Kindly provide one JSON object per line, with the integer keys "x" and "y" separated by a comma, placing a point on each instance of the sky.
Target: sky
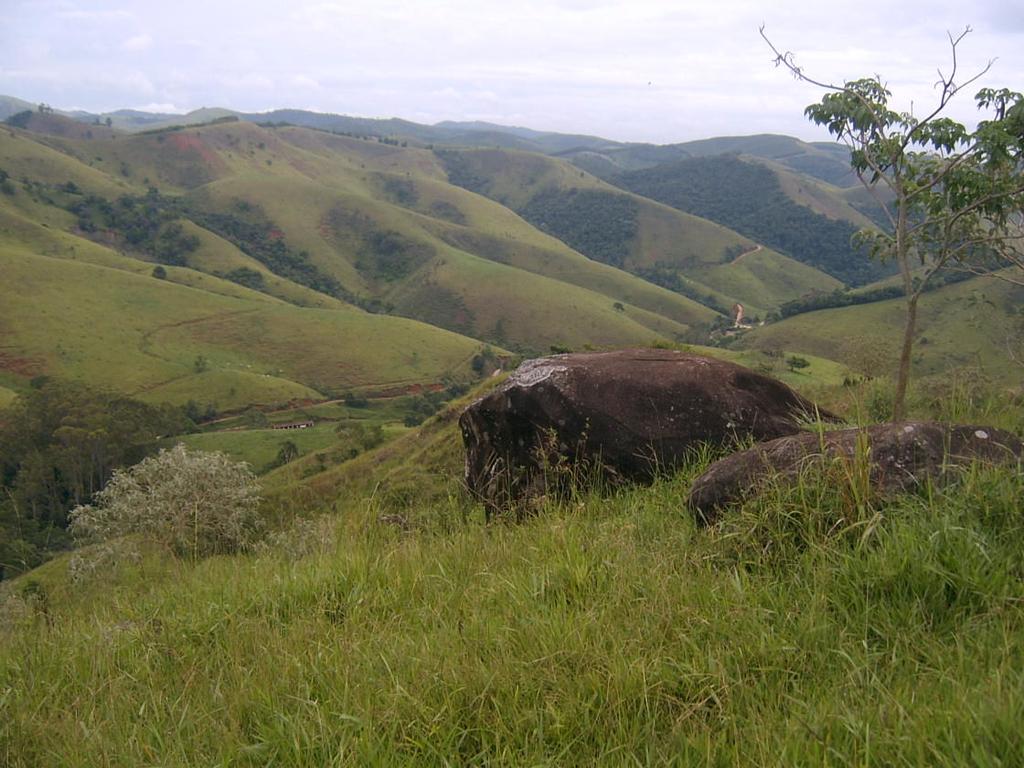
{"x": 642, "y": 70}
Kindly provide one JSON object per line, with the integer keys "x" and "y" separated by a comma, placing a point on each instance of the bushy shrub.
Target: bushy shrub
{"x": 194, "y": 503}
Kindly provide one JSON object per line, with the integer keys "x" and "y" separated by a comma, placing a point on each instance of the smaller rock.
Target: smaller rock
{"x": 901, "y": 456}
{"x": 398, "y": 521}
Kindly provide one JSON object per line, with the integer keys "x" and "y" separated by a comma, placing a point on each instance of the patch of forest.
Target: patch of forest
{"x": 748, "y": 198}
{"x": 248, "y": 228}
{"x": 460, "y": 171}
{"x": 840, "y": 298}
{"x": 600, "y": 225}
{"x": 59, "y": 444}
{"x": 147, "y": 223}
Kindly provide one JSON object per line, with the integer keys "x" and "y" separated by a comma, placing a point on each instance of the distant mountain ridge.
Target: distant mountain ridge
{"x": 600, "y": 156}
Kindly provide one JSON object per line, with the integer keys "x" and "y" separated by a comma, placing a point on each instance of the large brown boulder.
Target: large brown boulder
{"x": 626, "y": 415}
{"x": 899, "y": 456}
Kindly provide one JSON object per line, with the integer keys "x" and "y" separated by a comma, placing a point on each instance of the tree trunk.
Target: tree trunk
{"x": 902, "y": 244}
{"x": 903, "y": 379}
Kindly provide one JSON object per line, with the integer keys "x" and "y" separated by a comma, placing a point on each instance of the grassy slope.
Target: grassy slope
{"x": 958, "y": 325}
{"x": 217, "y": 255}
{"x": 7, "y": 396}
{"x": 259, "y": 447}
{"x": 491, "y": 231}
{"x": 820, "y": 196}
{"x": 298, "y": 186}
{"x": 601, "y": 631}
{"x": 24, "y": 154}
{"x": 666, "y": 236}
{"x": 299, "y": 182}
{"x": 762, "y": 280}
{"x": 826, "y": 161}
{"x": 307, "y": 210}
{"x": 495, "y": 233}
{"x": 141, "y": 335}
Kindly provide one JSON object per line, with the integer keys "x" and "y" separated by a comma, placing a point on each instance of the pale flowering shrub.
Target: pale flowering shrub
{"x": 100, "y": 559}
{"x": 194, "y": 503}
{"x": 15, "y": 611}
{"x": 305, "y": 536}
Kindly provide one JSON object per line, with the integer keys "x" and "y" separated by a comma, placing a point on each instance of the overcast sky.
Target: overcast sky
{"x": 642, "y": 70}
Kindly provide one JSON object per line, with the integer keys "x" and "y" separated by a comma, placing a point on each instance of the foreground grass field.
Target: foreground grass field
{"x": 816, "y": 625}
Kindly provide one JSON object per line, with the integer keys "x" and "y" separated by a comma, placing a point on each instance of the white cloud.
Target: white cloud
{"x": 165, "y": 107}
{"x": 78, "y": 14}
{"x": 572, "y": 65}
{"x": 137, "y": 43}
{"x": 304, "y": 81}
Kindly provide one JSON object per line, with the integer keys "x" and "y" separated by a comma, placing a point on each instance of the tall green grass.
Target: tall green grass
{"x": 809, "y": 628}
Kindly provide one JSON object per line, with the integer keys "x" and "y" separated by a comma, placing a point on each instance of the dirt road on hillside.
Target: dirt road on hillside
{"x": 747, "y": 252}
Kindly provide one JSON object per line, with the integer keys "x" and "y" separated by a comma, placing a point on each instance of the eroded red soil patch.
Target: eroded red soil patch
{"x": 26, "y": 367}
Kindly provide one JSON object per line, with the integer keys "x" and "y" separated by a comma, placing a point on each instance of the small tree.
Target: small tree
{"x": 796, "y": 363}
{"x": 288, "y": 451}
{"x": 953, "y": 198}
{"x": 194, "y": 503}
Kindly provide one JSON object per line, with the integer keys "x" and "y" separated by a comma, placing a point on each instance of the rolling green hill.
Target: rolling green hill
{"x": 971, "y": 323}
{"x": 770, "y": 210}
{"x": 130, "y": 257}
{"x": 136, "y": 334}
{"x": 827, "y": 161}
{"x": 686, "y": 253}
{"x": 515, "y": 248}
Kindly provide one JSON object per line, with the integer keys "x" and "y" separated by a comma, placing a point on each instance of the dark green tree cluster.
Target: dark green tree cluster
{"x": 400, "y": 190}
{"x": 391, "y": 256}
{"x": 20, "y": 119}
{"x": 816, "y": 301}
{"x": 422, "y": 407}
{"x": 59, "y": 444}
{"x": 669, "y": 277}
{"x": 840, "y": 298}
{"x": 5, "y": 183}
{"x": 359, "y": 436}
{"x": 250, "y": 278}
{"x": 147, "y": 223}
{"x": 748, "y": 198}
{"x": 600, "y": 225}
{"x": 460, "y": 171}
{"x": 255, "y": 235}
{"x": 484, "y": 361}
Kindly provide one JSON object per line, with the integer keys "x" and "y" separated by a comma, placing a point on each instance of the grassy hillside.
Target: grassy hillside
{"x": 260, "y": 447}
{"x": 770, "y": 210}
{"x": 685, "y": 253}
{"x": 318, "y": 221}
{"x": 833, "y": 202}
{"x": 370, "y": 216}
{"x": 7, "y": 396}
{"x": 964, "y": 324}
{"x": 827, "y": 161}
{"x": 143, "y": 336}
{"x": 813, "y": 626}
